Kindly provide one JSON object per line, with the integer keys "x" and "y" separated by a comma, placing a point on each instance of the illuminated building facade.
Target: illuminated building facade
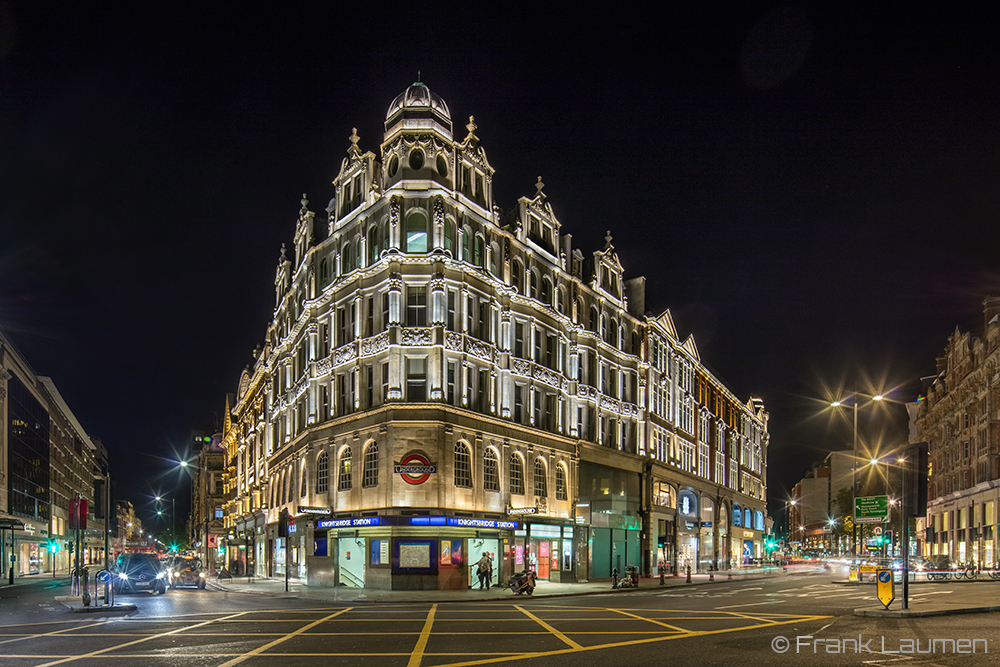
{"x": 442, "y": 378}
{"x": 960, "y": 419}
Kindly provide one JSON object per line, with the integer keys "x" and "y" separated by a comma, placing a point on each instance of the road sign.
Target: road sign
{"x": 877, "y": 530}
{"x": 103, "y": 577}
{"x": 886, "y": 586}
{"x": 871, "y": 509}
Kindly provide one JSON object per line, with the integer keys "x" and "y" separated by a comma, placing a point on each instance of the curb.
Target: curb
{"x": 906, "y": 613}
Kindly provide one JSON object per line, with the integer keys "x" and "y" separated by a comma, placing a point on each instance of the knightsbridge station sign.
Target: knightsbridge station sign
{"x": 414, "y": 468}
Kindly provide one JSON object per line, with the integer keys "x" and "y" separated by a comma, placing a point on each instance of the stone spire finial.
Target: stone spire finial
{"x": 538, "y": 186}
{"x": 354, "y": 150}
{"x": 305, "y": 205}
{"x": 283, "y": 258}
{"x": 607, "y": 240}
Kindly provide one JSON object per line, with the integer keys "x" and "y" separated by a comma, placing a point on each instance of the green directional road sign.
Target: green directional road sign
{"x": 871, "y": 509}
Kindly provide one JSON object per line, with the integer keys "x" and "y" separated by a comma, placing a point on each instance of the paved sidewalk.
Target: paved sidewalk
{"x": 972, "y": 597}
{"x": 296, "y": 589}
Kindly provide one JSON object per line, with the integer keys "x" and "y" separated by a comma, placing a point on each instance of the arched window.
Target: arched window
{"x": 491, "y": 470}
{"x": 386, "y": 236}
{"x": 746, "y": 518}
{"x": 449, "y": 242}
{"x": 534, "y": 284}
{"x": 758, "y": 520}
{"x": 494, "y": 253}
{"x": 303, "y": 490}
{"x": 345, "y": 259}
{"x": 593, "y": 319}
{"x": 344, "y": 482}
{"x": 416, "y": 232}
{"x": 541, "y": 487}
{"x": 478, "y": 257}
{"x": 635, "y": 342}
{"x": 612, "y": 333}
{"x": 546, "y": 291}
{"x": 560, "y": 301}
{"x": 516, "y": 475}
{"x": 463, "y": 466}
{"x": 737, "y": 515}
{"x": 360, "y": 253}
{"x": 561, "y": 482}
{"x": 515, "y": 275}
{"x": 373, "y": 248}
{"x": 324, "y": 272}
{"x": 369, "y": 477}
{"x": 323, "y": 473}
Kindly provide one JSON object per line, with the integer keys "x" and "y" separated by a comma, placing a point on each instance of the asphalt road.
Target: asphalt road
{"x": 738, "y": 623}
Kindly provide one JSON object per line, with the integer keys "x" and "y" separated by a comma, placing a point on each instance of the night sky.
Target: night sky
{"x": 812, "y": 193}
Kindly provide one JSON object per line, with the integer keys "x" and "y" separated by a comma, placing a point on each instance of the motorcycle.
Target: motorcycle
{"x": 522, "y": 582}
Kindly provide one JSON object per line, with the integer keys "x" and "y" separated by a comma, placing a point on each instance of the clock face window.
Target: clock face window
{"x": 416, "y": 159}
{"x": 442, "y": 166}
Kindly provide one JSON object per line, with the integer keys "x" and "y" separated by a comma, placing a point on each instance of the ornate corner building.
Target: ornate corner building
{"x": 958, "y": 418}
{"x": 443, "y": 378}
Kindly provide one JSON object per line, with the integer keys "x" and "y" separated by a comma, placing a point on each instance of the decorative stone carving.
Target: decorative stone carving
{"x": 345, "y": 353}
{"x": 375, "y": 344}
{"x": 479, "y": 349}
{"x": 438, "y": 212}
{"x": 394, "y": 211}
{"x": 415, "y": 336}
{"x": 548, "y": 376}
{"x": 453, "y": 341}
{"x": 323, "y": 367}
{"x": 520, "y": 367}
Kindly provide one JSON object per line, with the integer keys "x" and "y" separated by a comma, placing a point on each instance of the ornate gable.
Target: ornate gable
{"x": 691, "y": 348}
{"x": 537, "y": 225}
{"x": 608, "y": 272}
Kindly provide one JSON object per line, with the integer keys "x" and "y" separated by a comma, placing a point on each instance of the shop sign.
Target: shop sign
{"x": 522, "y": 510}
{"x": 414, "y": 468}
{"x": 313, "y": 510}
{"x": 706, "y": 524}
{"x": 687, "y": 503}
{"x": 483, "y": 523}
{"x": 349, "y": 523}
{"x": 747, "y": 533}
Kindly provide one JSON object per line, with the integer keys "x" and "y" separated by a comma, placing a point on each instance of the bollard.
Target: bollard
{"x": 663, "y": 571}
{"x": 711, "y": 574}
{"x": 688, "y": 575}
{"x": 614, "y": 578}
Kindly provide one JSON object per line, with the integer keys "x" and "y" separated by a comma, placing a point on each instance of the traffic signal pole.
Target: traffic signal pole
{"x": 904, "y": 510}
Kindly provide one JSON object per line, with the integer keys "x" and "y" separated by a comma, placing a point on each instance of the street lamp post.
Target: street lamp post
{"x": 203, "y": 474}
{"x": 854, "y": 462}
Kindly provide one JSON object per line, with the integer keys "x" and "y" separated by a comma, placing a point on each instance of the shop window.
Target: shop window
{"x": 370, "y": 476}
{"x": 516, "y": 475}
{"x": 416, "y": 233}
{"x": 344, "y": 483}
{"x": 463, "y": 466}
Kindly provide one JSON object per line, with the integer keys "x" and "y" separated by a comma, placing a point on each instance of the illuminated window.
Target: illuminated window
{"x": 416, "y": 233}
{"x": 560, "y": 483}
{"x": 344, "y": 483}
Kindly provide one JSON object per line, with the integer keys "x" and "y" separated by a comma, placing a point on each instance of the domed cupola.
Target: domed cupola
{"x": 417, "y": 109}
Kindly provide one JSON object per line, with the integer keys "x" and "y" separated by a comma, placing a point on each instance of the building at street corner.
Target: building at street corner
{"x": 443, "y": 379}
{"x": 958, "y": 417}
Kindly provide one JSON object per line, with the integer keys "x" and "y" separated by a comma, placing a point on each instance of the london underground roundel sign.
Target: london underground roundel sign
{"x": 414, "y": 468}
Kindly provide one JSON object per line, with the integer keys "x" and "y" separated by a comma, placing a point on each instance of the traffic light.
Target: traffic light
{"x": 283, "y": 523}
{"x": 53, "y": 547}
{"x": 78, "y": 514}
{"x": 916, "y": 471}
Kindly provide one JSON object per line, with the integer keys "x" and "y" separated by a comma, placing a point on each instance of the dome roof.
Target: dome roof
{"x": 416, "y": 97}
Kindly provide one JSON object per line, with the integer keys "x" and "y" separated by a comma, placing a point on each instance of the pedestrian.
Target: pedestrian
{"x": 484, "y": 567}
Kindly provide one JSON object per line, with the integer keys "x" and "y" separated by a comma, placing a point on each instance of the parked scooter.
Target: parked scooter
{"x": 522, "y": 582}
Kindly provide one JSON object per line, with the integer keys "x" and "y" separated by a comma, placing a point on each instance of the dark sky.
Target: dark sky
{"x": 812, "y": 192}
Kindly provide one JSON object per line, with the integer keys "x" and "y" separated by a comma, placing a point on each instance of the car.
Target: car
{"x": 186, "y": 571}
{"x": 139, "y": 572}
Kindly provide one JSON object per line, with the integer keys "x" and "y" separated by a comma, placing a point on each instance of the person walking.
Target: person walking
{"x": 485, "y": 568}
